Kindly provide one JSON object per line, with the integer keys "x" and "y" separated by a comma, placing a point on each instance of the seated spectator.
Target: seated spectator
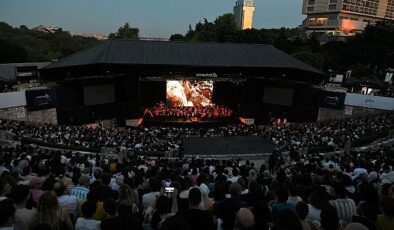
{"x": 262, "y": 215}
{"x": 7, "y": 214}
{"x": 25, "y": 217}
{"x": 82, "y": 189}
{"x": 87, "y": 222}
{"x": 317, "y": 202}
{"x": 244, "y": 220}
{"x": 194, "y": 216}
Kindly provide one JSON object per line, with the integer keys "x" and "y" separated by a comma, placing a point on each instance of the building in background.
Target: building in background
{"x": 243, "y": 12}
{"x": 344, "y": 17}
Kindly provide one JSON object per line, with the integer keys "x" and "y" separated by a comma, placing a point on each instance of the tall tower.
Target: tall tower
{"x": 243, "y": 12}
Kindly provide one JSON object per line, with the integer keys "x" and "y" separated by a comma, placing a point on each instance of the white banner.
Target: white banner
{"x": 368, "y": 101}
{"x": 20, "y": 112}
{"x": 348, "y": 110}
{"x": 12, "y": 99}
{"x": 134, "y": 122}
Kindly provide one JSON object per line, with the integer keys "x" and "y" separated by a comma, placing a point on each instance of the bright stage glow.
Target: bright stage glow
{"x": 189, "y": 93}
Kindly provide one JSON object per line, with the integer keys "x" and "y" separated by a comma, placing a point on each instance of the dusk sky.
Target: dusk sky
{"x": 154, "y": 18}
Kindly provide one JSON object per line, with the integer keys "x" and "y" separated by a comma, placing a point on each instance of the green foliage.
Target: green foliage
{"x": 24, "y": 45}
{"x": 366, "y": 54}
{"x": 125, "y": 32}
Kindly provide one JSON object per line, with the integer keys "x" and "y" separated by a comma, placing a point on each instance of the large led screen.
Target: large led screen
{"x": 189, "y": 93}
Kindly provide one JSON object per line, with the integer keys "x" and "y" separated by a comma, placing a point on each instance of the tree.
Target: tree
{"x": 177, "y": 37}
{"x": 125, "y": 32}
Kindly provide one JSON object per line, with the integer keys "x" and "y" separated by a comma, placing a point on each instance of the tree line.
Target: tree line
{"x": 367, "y": 53}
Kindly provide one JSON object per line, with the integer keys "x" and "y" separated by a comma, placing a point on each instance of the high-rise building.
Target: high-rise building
{"x": 344, "y": 17}
{"x": 243, "y": 12}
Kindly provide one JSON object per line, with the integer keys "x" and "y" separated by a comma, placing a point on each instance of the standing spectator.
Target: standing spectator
{"x": 25, "y": 217}
{"x": 105, "y": 188}
{"x": 5, "y": 187}
{"x": 69, "y": 203}
{"x": 302, "y": 211}
{"x": 36, "y": 184}
{"x": 87, "y": 222}
{"x": 346, "y": 208}
{"x": 128, "y": 199}
{"x": 50, "y": 213}
{"x": 244, "y": 220}
{"x": 154, "y": 186}
{"x": 386, "y": 220}
{"x": 7, "y": 214}
{"x": 329, "y": 218}
{"x": 197, "y": 218}
{"x": 281, "y": 201}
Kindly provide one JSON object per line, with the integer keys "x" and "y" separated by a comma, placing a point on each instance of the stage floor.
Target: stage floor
{"x": 222, "y": 146}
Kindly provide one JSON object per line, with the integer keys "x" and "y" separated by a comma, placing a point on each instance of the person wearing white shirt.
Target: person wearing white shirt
{"x": 70, "y": 203}
{"x": 86, "y": 222}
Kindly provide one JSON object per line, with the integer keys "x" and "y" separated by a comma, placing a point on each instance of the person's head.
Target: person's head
{"x": 110, "y": 206}
{"x": 84, "y": 181}
{"x": 194, "y": 197}
{"x": 7, "y": 212}
{"x": 126, "y": 195}
{"x": 244, "y": 219}
{"x": 20, "y": 193}
{"x": 262, "y": 211}
{"x": 88, "y": 209}
{"x": 5, "y": 186}
{"x": 235, "y": 190}
{"x": 293, "y": 190}
{"x": 163, "y": 205}
{"x": 175, "y": 223}
{"x": 94, "y": 193}
{"x": 282, "y": 195}
{"x": 97, "y": 173}
{"x": 59, "y": 188}
{"x": 318, "y": 198}
{"x": 388, "y": 206}
{"x": 340, "y": 190}
{"x": 154, "y": 184}
{"x": 287, "y": 220}
{"x": 329, "y": 217}
{"x": 368, "y": 210}
{"x": 302, "y": 210}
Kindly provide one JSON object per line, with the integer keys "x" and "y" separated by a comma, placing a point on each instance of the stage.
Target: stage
{"x": 228, "y": 147}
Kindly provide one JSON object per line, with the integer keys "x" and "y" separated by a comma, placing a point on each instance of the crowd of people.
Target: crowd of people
{"x": 48, "y": 189}
{"x": 163, "y": 112}
{"x": 334, "y": 134}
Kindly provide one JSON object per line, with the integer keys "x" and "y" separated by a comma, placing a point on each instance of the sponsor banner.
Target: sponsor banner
{"x": 40, "y": 99}
{"x": 332, "y": 100}
{"x": 134, "y": 122}
{"x": 20, "y": 112}
{"x": 348, "y": 110}
{"x": 12, "y": 99}
{"x": 247, "y": 121}
{"x": 368, "y": 101}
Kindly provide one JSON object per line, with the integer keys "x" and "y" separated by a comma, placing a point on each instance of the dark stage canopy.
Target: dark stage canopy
{"x": 184, "y": 54}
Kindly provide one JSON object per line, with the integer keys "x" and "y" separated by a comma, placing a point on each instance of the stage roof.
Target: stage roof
{"x": 187, "y": 54}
